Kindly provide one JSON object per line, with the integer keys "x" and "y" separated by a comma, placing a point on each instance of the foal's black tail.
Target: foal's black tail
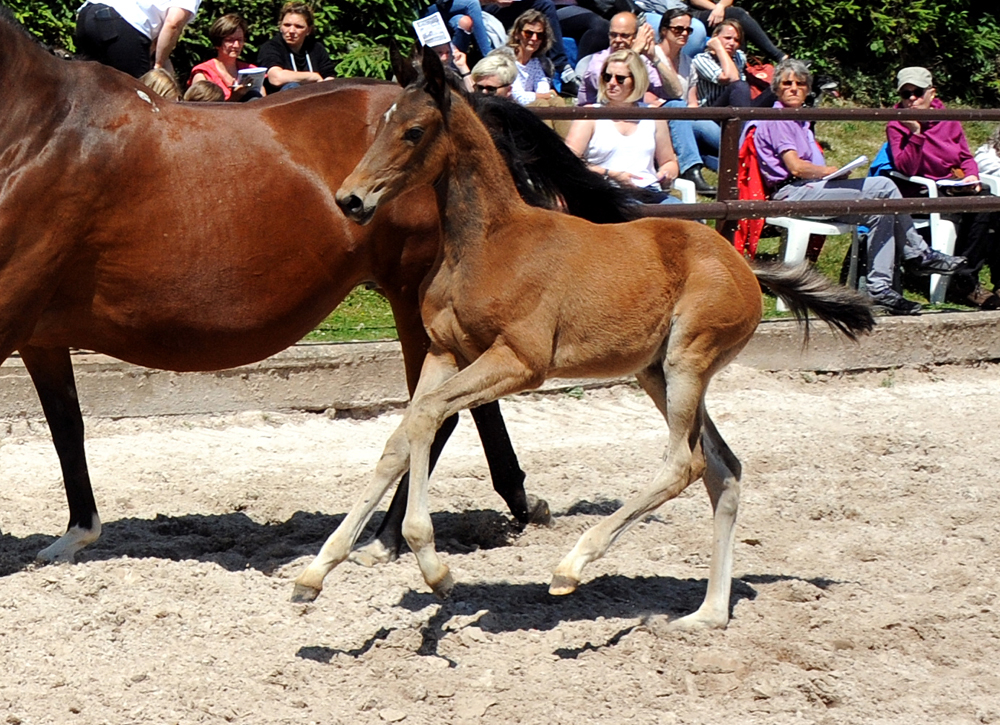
{"x": 805, "y": 290}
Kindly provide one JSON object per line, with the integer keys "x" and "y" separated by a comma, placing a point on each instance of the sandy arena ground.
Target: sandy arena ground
{"x": 866, "y": 568}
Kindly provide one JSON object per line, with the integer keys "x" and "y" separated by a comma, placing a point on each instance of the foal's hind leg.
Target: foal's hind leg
{"x": 722, "y": 479}
{"x": 683, "y": 464}
{"x": 52, "y": 373}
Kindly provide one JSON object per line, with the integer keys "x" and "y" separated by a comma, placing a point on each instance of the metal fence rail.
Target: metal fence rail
{"x": 727, "y": 209}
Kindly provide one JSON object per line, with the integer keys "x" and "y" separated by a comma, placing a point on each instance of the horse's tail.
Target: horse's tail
{"x": 805, "y": 290}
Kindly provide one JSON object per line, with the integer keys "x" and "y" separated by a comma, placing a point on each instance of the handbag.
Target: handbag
{"x": 759, "y": 75}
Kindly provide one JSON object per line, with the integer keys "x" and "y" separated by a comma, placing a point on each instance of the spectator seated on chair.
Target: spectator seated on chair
{"x": 624, "y": 33}
{"x": 792, "y": 168}
{"x": 508, "y": 12}
{"x": 228, "y": 35}
{"x": 988, "y": 155}
{"x": 162, "y": 83}
{"x": 706, "y": 15}
{"x": 720, "y": 72}
{"x": 294, "y": 57}
{"x": 631, "y": 153}
{"x": 938, "y": 150}
{"x": 529, "y": 40}
{"x": 204, "y": 92}
{"x": 696, "y": 142}
{"x": 494, "y": 75}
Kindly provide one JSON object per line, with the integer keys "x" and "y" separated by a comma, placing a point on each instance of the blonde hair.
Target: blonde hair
{"x": 204, "y": 92}
{"x": 500, "y": 65}
{"x": 640, "y": 78}
{"x": 162, "y": 83}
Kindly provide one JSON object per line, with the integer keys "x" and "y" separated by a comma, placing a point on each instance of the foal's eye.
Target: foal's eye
{"x": 412, "y": 135}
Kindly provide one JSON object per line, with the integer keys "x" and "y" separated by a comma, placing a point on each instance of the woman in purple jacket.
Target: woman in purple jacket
{"x": 938, "y": 150}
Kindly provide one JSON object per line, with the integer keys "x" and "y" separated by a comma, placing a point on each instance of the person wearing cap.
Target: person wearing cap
{"x": 793, "y": 168}
{"x": 939, "y": 150}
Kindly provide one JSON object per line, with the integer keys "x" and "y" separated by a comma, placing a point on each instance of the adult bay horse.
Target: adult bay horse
{"x": 186, "y": 237}
{"x": 520, "y": 294}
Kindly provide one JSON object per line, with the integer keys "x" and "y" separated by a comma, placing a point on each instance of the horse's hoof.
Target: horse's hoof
{"x": 443, "y": 586}
{"x": 562, "y": 585}
{"x": 538, "y": 511}
{"x": 697, "y": 622}
{"x": 303, "y": 593}
{"x": 373, "y": 554}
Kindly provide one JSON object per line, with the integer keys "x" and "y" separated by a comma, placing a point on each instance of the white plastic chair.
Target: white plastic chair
{"x": 943, "y": 233}
{"x": 687, "y": 191}
{"x": 799, "y": 231}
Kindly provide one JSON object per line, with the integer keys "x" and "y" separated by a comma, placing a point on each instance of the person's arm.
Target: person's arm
{"x": 802, "y": 169}
{"x": 578, "y": 139}
{"x": 692, "y": 99}
{"x": 278, "y": 76}
{"x": 670, "y": 82}
{"x": 173, "y": 24}
{"x": 906, "y": 147}
{"x": 198, "y": 77}
{"x": 666, "y": 160}
{"x": 728, "y": 72}
{"x": 459, "y": 59}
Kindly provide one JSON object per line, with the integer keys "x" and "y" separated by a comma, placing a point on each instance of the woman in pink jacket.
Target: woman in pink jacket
{"x": 938, "y": 150}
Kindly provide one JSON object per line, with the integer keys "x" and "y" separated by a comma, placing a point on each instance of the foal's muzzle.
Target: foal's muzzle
{"x": 354, "y": 208}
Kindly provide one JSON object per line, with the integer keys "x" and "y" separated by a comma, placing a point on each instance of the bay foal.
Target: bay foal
{"x": 518, "y": 295}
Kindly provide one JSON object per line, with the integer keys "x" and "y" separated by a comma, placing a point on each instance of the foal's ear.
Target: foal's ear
{"x": 434, "y": 81}
{"x": 402, "y": 67}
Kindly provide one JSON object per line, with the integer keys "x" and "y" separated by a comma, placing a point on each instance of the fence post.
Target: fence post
{"x": 729, "y": 162}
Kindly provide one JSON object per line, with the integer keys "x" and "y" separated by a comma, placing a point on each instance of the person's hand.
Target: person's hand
{"x": 645, "y": 41}
{"x": 716, "y": 16}
{"x": 912, "y": 126}
{"x": 623, "y": 178}
{"x": 715, "y": 45}
{"x": 458, "y": 58}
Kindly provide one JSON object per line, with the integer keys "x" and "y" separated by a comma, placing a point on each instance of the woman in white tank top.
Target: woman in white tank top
{"x": 632, "y": 153}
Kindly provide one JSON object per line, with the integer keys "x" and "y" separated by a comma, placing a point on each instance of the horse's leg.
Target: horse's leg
{"x": 443, "y": 392}
{"x": 722, "y": 479}
{"x": 682, "y": 387}
{"x": 508, "y": 478}
{"x": 388, "y": 540}
{"x": 391, "y": 467}
{"x": 52, "y": 373}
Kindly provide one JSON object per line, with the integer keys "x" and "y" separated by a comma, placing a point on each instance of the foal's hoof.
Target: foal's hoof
{"x": 303, "y": 593}
{"x": 538, "y": 511}
{"x": 562, "y": 585}
{"x": 443, "y": 586}
{"x": 373, "y": 553}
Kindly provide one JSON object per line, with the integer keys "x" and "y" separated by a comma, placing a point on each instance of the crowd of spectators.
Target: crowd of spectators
{"x": 617, "y": 53}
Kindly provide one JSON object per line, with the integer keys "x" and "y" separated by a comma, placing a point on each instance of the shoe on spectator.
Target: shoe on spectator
{"x": 570, "y": 81}
{"x": 894, "y": 303}
{"x": 979, "y": 297}
{"x": 934, "y": 262}
{"x": 700, "y": 185}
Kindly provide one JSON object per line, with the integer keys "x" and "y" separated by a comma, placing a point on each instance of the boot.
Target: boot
{"x": 700, "y": 185}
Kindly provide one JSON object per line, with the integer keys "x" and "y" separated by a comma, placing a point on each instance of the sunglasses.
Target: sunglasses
{"x": 906, "y": 95}
{"x": 489, "y": 90}
{"x": 680, "y": 29}
{"x": 796, "y": 84}
{"x": 619, "y": 79}
{"x": 533, "y": 34}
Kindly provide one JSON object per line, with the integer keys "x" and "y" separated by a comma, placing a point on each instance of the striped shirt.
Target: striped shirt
{"x": 705, "y": 72}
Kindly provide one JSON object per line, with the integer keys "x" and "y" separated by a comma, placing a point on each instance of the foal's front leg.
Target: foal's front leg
{"x": 391, "y": 467}
{"x": 443, "y": 392}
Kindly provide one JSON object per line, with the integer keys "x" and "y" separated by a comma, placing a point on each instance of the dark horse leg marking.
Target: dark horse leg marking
{"x": 52, "y": 373}
{"x": 508, "y": 481}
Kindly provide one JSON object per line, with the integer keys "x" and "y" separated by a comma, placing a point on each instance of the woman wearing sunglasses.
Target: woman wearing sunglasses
{"x": 529, "y": 40}
{"x": 631, "y": 153}
{"x": 939, "y": 150}
{"x": 494, "y": 75}
{"x": 793, "y": 169}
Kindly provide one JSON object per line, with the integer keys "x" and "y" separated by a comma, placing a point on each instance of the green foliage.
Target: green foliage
{"x": 356, "y": 34}
{"x": 863, "y": 44}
